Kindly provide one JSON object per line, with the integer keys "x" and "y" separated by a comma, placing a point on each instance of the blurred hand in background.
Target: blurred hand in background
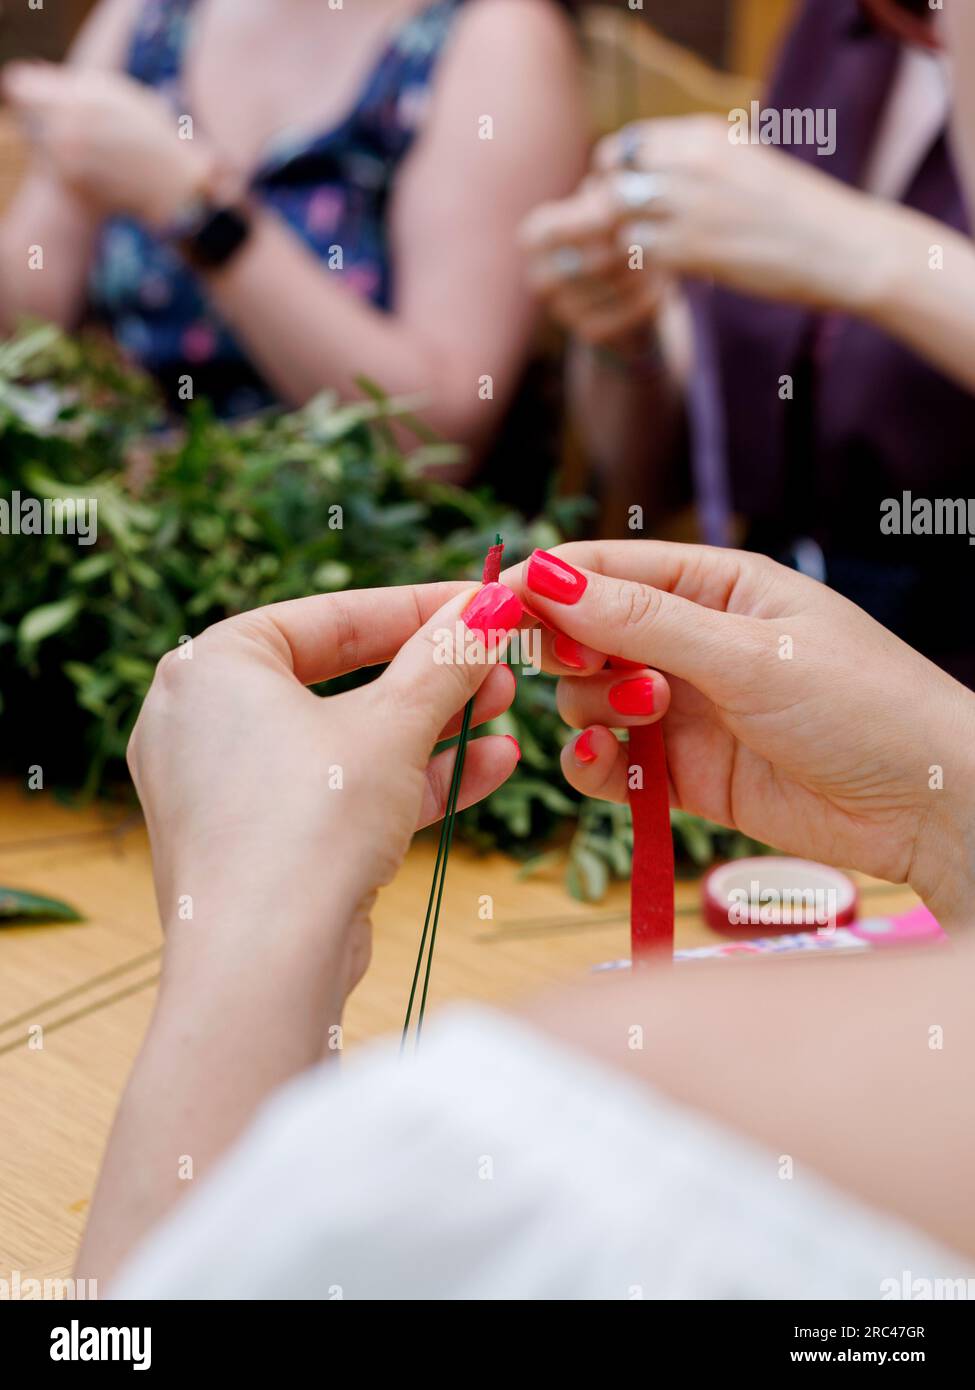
{"x": 109, "y": 138}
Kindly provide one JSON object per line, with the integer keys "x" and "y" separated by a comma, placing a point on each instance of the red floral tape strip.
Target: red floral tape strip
{"x": 492, "y": 565}
{"x": 652, "y": 887}
{"x": 652, "y": 884}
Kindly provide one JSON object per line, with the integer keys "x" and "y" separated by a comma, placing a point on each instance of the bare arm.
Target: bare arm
{"x": 460, "y": 312}
{"x": 834, "y": 1063}
{"x": 920, "y": 288}
{"x": 46, "y": 213}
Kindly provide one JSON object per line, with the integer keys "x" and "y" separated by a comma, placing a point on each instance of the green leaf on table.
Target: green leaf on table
{"x": 17, "y": 906}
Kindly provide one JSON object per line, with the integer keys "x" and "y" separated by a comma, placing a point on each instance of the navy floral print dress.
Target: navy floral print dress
{"x": 331, "y": 188}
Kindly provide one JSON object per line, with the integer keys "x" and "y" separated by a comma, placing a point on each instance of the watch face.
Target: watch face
{"x": 911, "y": 21}
{"x": 225, "y": 230}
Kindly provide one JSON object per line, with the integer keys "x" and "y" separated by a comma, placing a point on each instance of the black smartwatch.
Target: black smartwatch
{"x": 211, "y": 227}
{"x": 215, "y": 236}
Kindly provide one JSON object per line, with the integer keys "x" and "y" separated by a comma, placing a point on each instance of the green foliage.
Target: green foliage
{"x": 17, "y": 906}
{"x": 221, "y": 518}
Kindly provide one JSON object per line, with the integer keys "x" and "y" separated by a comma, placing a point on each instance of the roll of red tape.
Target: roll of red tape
{"x": 777, "y": 894}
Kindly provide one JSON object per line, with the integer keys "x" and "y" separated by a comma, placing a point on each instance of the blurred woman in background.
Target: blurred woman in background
{"x": 831, "y": 331}
{"x": 269, "y": 197}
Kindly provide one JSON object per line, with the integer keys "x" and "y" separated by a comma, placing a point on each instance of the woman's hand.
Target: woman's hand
{"x": 790, "y": 714}
{"x": 274, "y": 816}
{"x": 109, "y": 138}
{"x": 579, "y": 267}
{"x": 675, "y": 197}
{"x": 750, "y": 216}
{"x": 273, "y": 812}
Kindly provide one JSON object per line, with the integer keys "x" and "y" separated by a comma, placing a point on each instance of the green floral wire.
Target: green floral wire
{"x": 439, "y": 878}
{"x": 439, "y": 875}
{"x": 458, "y": 774}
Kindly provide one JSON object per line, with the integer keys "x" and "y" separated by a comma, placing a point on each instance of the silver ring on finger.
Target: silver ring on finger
{"x": 636, "y": 189}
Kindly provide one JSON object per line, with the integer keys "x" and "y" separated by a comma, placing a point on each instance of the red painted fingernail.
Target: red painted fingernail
{"x": 632, "y": 697}
{"x": 622, "y": 663}
{"x": 553, "y": 578}
{"x": 511, "y": 738}
{"x": 584, "y": 751}
{"x": 494, "y": 608}
{"x": 569, "y": 651}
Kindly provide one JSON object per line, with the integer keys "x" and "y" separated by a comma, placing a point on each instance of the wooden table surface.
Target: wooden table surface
{"x": 89, "y": 987}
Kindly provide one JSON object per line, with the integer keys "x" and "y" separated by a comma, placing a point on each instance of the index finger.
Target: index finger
{"x": 584, "y": 216}
{"x": 732, "y": 581}
{"x": 640, "y": 620}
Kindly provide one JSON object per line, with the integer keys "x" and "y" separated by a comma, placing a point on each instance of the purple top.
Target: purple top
{"x": 870, "y": 419}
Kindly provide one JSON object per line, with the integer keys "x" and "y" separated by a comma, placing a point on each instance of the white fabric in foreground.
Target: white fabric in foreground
{"x": 501, "y": 1165}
